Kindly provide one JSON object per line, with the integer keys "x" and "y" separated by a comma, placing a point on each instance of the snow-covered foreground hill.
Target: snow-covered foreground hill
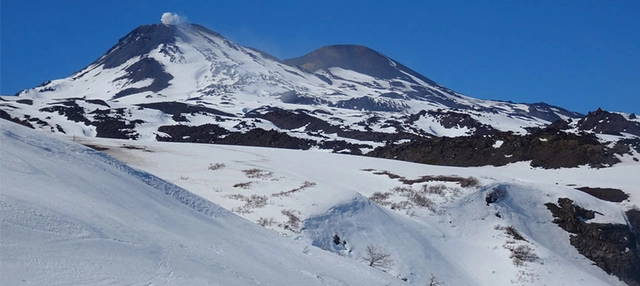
{"x": 433, "y": 221}
{"x": 74, "y": 216}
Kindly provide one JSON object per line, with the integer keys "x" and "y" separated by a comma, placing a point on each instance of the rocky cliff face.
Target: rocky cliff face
{"x": 612, "y": 247}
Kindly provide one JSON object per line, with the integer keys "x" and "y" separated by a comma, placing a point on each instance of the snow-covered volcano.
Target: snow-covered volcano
{"x": 65, "y": 204}
{"x": 160, "y": 80}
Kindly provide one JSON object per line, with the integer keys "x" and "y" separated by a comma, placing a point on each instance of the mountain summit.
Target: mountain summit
{"x": 360, "y": 59}
{"x": 138, "y": 42}
{"x": 173, "y": 81}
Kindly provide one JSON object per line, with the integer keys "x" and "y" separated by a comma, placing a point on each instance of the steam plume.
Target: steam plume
{"x": 169, "y": 18}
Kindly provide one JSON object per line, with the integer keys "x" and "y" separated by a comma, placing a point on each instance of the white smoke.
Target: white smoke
{"x": 169, "y": 18}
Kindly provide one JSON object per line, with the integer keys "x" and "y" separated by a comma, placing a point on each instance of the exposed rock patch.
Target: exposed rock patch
{"x": 543, "y": 147}
{"x": 633, "y": 216}
{"x": 176, "y": 108}
{"x": 549, "y": 113}
{"x": 206, "y": 133}
{"x": 371, "y": 104}
{"x": 146, "y": 68}
{"x": 137, "y": 43}
{"x": 294, "y": 119}
{"x": 211, "y": 133}
{"x": 452, "y": 119}
{"x": 612, "y": 247}
{"x": 607, "y": 194}
{"x": 6, "y": 116}
{"x": 26, "y": 101}
{"x": 70, "y": 109}
{"x": 114, "y": 124}
{"x": 601, "y": 121}
{"x": 265, "y": 138}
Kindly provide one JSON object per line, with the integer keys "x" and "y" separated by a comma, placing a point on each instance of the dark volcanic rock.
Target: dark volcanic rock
{"x": 612, "y": 247}
{"x": 26, "y": 101}
{"x": 266, "y": 138}
{"x": 601, "y": 121}
{"x": 558, "y": 125}
{"x": 607, "y": 194}
{"x": 211, "y": 133}
{"x": 634, "y": 220}
{"x": 452, "y": 119}
{"x": 146, "y": 68}
{"x": 294, "y": 119}
{"x": 114, "y": 124}
{"x": 109, "y": 123}
{"x": 341, "y": 146}
{"x": 97, "y": 102}
{"x": 356, "y": 58}
{"x": 117, "y": 128}
{"x": 550, "y": 113}
{"x": 176, "y": 108}
{"x": 6, "y": 116}
{"x": 370, "y": 104}
{"x": 544, "y": 148}
{"x": 70, "y": 109}
{"x": 206, "y": 133}
{"x": 631, "y": 142}
{"x": 137, "y": 43}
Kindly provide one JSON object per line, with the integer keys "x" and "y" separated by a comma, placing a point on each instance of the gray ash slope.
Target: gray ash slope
{"x": 187, "y": 83}
{"x": 360, "y": 59}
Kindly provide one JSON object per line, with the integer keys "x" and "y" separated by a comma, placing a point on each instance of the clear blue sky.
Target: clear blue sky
{"x": 577, "y": 54}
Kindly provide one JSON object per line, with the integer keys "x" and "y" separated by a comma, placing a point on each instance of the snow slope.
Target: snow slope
{"x": 454, "y": 235}
{"x": 74, "y": 216}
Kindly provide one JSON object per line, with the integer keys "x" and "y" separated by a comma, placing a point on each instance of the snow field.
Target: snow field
{"x": 73, "y": 216}
{"x": 452, "y": 234}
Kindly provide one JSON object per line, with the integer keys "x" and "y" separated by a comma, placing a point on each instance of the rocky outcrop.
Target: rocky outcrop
{"x": 546, "y": 148}
{"x": 295, "y": 119}
{"x": 606, "y": 194}
{"x": 68, "y": 108}
{"x": 211, "y": 133}
{"x": 178, "y": 108}
{"x": 612, "y": 247}
{"x": 451, "y": 119}
{"x": 6, "y": 116}
{"x": 633, "y": 216}
{"x": 601, "y": 121}
{"x": 146, "y": 68}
